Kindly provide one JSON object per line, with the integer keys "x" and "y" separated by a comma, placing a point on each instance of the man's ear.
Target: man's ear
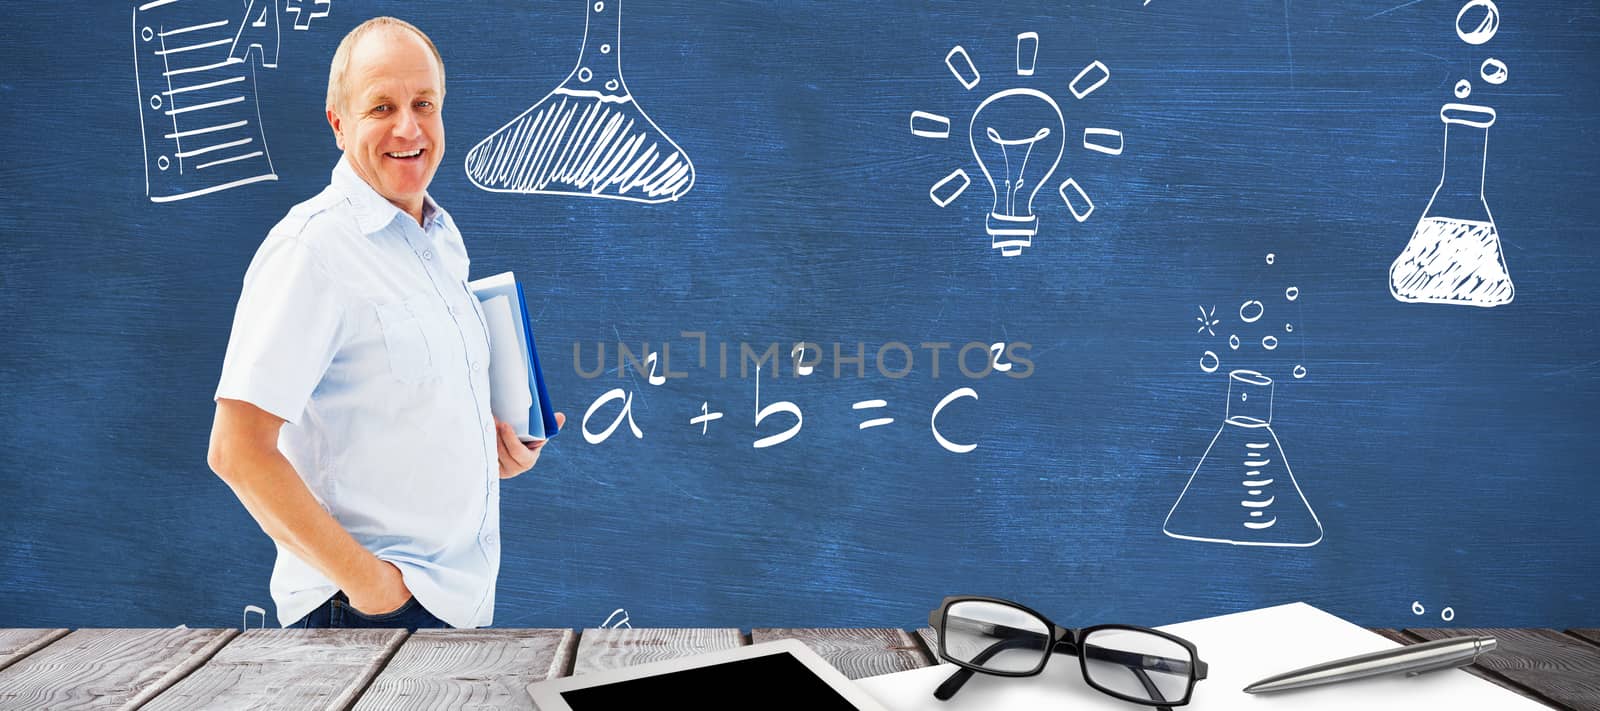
{"x": 334, "y": 123}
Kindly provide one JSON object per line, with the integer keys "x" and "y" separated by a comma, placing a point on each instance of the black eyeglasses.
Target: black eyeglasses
{"x": 1000, "y": 637}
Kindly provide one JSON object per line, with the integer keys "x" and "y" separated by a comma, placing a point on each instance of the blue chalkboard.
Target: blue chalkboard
{"x": 1421, "y": 393}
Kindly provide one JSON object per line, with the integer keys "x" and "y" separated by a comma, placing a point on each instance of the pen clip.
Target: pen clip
{"x": 1440, "y": 665}
{"x": 1484, "y": 646}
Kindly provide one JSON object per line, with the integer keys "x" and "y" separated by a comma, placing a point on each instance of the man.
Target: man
{"x": 353, "y": 415}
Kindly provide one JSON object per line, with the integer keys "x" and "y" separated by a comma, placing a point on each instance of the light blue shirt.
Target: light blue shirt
{"x": 356, "y": 326}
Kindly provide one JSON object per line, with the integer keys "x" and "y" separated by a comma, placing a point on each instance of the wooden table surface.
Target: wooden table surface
{"x": 483, "y": 669}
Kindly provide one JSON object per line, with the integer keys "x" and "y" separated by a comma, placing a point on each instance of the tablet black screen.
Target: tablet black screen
{"x": 779, "y": 680}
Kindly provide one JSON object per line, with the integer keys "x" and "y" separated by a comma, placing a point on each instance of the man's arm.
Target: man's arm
{"x": 244, "y": 453}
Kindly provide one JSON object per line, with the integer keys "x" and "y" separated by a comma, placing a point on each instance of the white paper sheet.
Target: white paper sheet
{"x": 509, "y": 396}
{"x": 1240, "y": 648}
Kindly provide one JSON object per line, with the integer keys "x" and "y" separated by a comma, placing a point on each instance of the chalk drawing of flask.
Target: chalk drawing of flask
{"x": 1243, "y": 492}
{"x": 1454, "y": 255}
{"x": 588, "y": 137}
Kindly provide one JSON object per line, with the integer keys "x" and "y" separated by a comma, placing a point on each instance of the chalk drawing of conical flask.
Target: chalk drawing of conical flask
{"x": 588, "y": 137}
{"x": 1454, "y": 255}
{"x": 1242, "y": 492}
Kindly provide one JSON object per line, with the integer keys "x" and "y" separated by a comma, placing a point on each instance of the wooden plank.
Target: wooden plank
{"x": 1588, "y": 635}
{"x": 600, "y": 649}
{"x": 858, "y": 653}
{"x": 1539, "y": 663}
{"x": 18, "y": 643}
{"x": 286, "y": 669}
{"x": 478, "y": 669}
{"x": 930, "y": 643}
{"x": 1405, "y": 637}
{"x": 106, "y": 668}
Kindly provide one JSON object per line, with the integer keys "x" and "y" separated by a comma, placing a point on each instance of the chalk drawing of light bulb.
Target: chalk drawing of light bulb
{"x": 587, "y": 137}
{"x": 1017, "y": 137}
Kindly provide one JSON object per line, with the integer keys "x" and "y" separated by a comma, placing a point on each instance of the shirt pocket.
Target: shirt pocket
{"x": 410, "y": 360}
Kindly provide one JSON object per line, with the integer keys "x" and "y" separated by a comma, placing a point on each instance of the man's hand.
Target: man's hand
{"x": 516, "y": 457}
{"x": 244, "y": 453}
{"x": 383, "y": 593}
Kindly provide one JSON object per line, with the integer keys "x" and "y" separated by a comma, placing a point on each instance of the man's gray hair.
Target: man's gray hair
{"x": 341, "y": 56}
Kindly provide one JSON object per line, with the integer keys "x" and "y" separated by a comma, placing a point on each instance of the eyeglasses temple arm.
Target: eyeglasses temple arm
{"x": 1149, "y": 686}
{"x": 952, "y": 684}
{"x": 1135, "y": 660}
{"x": 960, "y": 677}
{"x": 993, "y": 629}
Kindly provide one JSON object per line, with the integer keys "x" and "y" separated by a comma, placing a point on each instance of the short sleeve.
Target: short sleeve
{"x": 286, "y": 330}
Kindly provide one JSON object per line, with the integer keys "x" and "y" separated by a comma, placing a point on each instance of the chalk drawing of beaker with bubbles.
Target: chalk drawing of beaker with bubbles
{"x": 588, "y": 137}
{"x": 1454, "y": 255}
{"x": 1243, "y": 492}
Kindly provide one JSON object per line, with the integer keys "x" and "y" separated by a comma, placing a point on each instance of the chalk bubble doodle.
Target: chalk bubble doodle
{"x": 1478, "y": 21}
{"x": 588, "y": 137}
{"x": 1493, "y": 71}
{"x": 1251, "y": 311}
{"x": 1243, "y": 492}
{"x": 1448, "y": 614}
{"x": 1017, "y": 136}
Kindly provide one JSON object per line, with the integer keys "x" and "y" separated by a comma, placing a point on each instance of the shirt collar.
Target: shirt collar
{"x": 372, "y": 211}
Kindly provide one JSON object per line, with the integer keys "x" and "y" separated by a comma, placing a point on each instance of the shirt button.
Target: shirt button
{"x": 490, "y": 539}
{"x": 454, "y": 311}
{"x": 427, "y": 254}
{"x": 476, "y": 366}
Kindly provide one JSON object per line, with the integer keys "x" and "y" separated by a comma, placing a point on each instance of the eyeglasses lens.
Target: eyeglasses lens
{"x": 1137, "y": 664}
{"x": 995, "y": 637}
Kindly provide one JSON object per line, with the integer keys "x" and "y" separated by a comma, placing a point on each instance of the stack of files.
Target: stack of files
{"x": 1241, "y": 649}
{"x": 517, "y": 394}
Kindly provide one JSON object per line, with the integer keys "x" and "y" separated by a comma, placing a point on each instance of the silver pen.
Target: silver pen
{"x": 1412, "y": 659}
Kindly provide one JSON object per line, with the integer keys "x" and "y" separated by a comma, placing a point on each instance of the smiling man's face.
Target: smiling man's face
{"x": 390, "y": 127}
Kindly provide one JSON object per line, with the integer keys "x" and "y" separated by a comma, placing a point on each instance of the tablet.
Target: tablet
{"x": 785, "y": 674}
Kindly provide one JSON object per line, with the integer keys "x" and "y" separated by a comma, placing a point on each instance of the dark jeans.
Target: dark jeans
{"x": 337, "y": 613}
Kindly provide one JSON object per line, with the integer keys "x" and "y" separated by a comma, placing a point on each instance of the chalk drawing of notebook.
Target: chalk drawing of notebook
{"x": 195, "y": 67}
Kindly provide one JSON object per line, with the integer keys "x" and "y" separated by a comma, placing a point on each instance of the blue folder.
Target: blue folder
{"x": 541, "y": 416}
